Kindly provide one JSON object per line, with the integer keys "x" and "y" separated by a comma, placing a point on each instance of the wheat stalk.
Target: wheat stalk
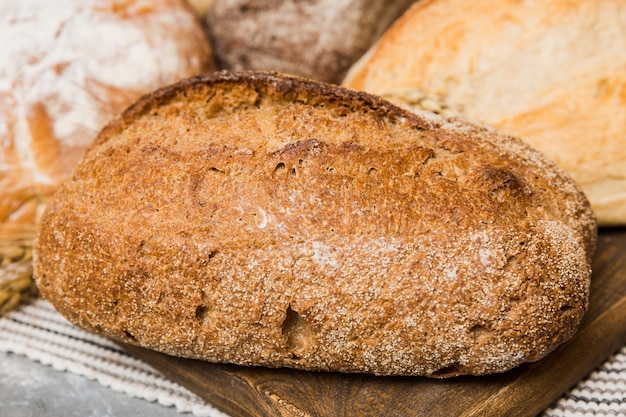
{"x": 16, "y": 266}
{"x": 417, "y": 99}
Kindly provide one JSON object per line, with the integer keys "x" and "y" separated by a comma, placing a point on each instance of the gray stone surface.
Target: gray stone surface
{"x": 30, "y": 389}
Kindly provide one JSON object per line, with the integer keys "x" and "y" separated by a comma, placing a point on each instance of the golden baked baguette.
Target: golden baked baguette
{"x": 263, "y": 219}
{"x": 552, "y": 73}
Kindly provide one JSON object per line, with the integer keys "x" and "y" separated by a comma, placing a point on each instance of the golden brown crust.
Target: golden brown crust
{"x": 261, "y": 219}
{"x": 57, "y": 89}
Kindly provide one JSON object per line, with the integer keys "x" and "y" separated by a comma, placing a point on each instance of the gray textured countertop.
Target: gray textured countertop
{"x": 29, "y": 388}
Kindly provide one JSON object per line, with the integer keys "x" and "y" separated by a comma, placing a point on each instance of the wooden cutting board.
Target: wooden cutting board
{"x": 524, "y": 391}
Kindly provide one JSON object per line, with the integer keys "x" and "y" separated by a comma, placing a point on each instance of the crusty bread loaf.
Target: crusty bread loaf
{"x": 66, "y": 68}
{"x": 319, "y": 39}
{"x": 552, "y": 73}
{"x": 262, "y": 219}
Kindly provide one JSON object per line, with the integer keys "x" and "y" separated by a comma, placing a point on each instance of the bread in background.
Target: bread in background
{"x": 200, "y": 6}
{"x": 66, "y": 68}
{"x": 319, "y": 39}
{"x": 552, "y": 73}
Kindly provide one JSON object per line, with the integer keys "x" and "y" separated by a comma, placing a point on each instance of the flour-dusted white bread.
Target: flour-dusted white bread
{"x": 66, "y": 68}
{"x": 261, "y": 219}
{"x": 550, "y": 72}
{"x": 319, "y": 39}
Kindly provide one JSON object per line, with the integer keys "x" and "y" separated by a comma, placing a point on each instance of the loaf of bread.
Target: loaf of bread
{"x": 319, "y": 39}
{"x": 263, "y": 219}
{"x": 551, "y": 73}
{"x": 66, "y": 68}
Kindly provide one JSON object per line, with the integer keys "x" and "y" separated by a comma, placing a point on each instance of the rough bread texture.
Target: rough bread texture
{"x": 319, "y": 39}
{"x": 67, "y": 67}
{"x": 261, "y": 219}
{"x": 550, "y": 73}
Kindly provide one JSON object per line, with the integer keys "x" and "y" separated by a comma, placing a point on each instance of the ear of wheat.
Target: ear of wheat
{"x": 16, "y": 266}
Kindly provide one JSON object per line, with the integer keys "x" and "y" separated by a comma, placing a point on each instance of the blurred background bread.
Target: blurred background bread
{"x": 66, "y": 68}
{"x": 200, "y": 6}
{"x": 319, "y": 39}
{"x": 552, "y": 73}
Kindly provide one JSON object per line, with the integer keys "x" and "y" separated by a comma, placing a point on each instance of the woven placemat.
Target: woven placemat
{"x": 38, "y": 332}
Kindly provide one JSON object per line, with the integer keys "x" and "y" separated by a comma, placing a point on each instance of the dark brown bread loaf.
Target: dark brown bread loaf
{"x": 261, "y": 219}
{"x": 319, "y": 39}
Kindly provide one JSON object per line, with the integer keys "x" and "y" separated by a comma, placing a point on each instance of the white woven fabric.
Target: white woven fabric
{"x": 40, "y": 333}
{"x": 603, "y": 393}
